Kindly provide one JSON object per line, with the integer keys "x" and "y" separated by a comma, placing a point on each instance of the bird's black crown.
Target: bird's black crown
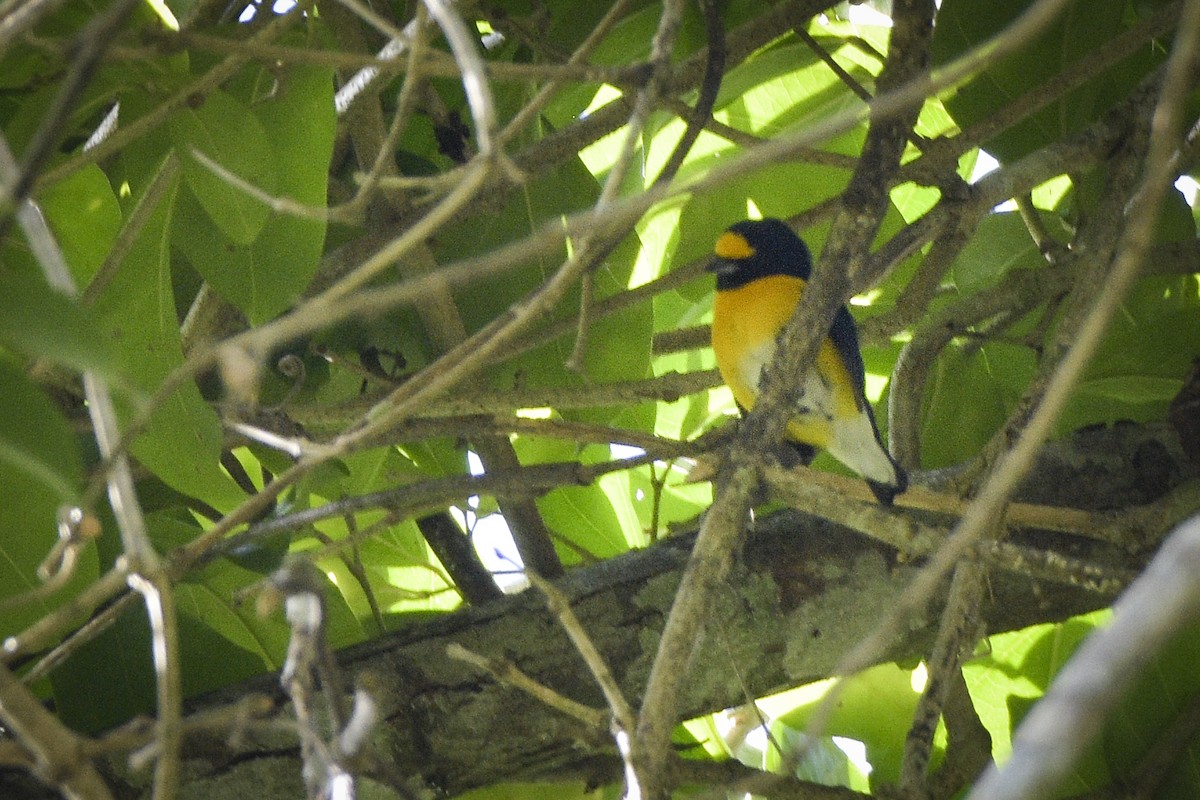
{"x": 754, "y": 249}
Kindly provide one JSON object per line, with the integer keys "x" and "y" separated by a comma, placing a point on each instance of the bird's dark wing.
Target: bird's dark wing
{"x": 844, "y": 335}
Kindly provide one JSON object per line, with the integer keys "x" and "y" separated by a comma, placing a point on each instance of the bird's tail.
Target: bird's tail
{"x": 885, "y": 493}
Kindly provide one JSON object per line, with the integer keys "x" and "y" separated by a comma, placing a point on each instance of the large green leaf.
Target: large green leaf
{"x": 1006, "y": 679}
{"x": 224, "y": 130}
{"x": 1075, "y": 34}
{"x": 968, "y": 398}
{"x": 676, "y": 501}
{"x": 119, "y": 660}
{"x": 222, "y": 638}
{"x": 1000, "y": 244}
{"x": 1165, "y": 690}
{"x": 35, "y": 440}
{"x": 403, "y": 573}
{"x": 210, "y": 599}
{"x": 548, "y": 790}
{"x": 299, "y": 119}
{"x": 45, "y": 324}
{"x": 85, "y": 216}
{"x": 1144, "y": 357}
{"x": 618, "y": 345}
{"x": 182, "y": 442}
{"x": 585, "y": 516}
{"x": 264, "y": 273}
{"x": 40, "y": 469}
{"x": 875, "y": 707}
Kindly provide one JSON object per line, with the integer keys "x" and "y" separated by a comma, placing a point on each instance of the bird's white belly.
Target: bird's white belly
{"x": 815, "y": 399}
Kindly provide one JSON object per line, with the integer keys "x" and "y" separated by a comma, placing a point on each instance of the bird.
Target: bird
{"x": 762, "y": 268}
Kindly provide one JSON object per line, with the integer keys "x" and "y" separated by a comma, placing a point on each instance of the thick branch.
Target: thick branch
{"x": 784, "y": 609}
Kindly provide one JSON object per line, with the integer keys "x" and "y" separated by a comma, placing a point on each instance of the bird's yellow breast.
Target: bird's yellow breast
{"x": 746, "y": 322}
{"x": 748, "y": 318}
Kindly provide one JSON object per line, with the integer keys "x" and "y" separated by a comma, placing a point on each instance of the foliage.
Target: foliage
{"x": 224, "y": 281}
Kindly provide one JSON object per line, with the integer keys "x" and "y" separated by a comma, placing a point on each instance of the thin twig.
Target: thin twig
{"x": 547, "y": 92}
{"x": 56, "y": 749}
{"x": 958, "y": 630}
{"x": 309, "y": 656}
{"x": 47, "y": 630}
{"x": 146, "y": 574}
{"x": 710, "y": 86}
{"x": 432, "y": 493}
{"x": 162, "y": 110}
{"x": 87, "y": 50}
{"x": 709, "y": 562}
{"x": 507, "y": 673}
{"x": 587, "y": 291}
{"x": 1135, "y": 241}
{"x": 474, "y": 75}
{"x": 560, "y": 607}
{"x": 1163, "y": 600}
{"x": 385, "y": 159}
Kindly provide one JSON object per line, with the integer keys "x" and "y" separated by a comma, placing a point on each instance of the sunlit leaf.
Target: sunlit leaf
{"x": 84, "y": 214}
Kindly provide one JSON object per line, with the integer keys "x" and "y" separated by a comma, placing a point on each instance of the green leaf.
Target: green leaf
{"x": 785, "y": 86}
{"x": 618, "y": 488}
{"x": 182, "y": 442}
{"x": 402, "y": 571}
{"x": 35, "y": 441}
{"x": 119, "y": 659}
{"x": 43, "y": 323}
{"x": 1145, "y": 355}
{"x": 300, "y": 122}
{"x": 1015, "y": 668}
{"x": 222, "y": 641}
{"x": 628, "y": 42}
{"x": 1165, "y": 690}
{"x": 437, "y": 458}
{"x": 574, "y": 790}
{"x": 618, "y": 345}
{"x": 967, "y": 399}
{"x": 875, "y": 707}
{"x": 598, "y": 519}
{"x": 1075, "y": 34}
{"x": 691, "y": 415}
{"x": 85, "y": 216}
{"x": 211, "y": 599}
{"x": 263, "y": 275}
{"x": 1134, "y": 388}
{"x": 264, "y": 272}
{"x": 584, "y": 516}
{"x": 1144, "y": 720}
{"x": 1000, "y": 244}
{"x": 40, "y": 469}
{"x": 817, "y": 761}
{"x": 245, "y": 643}
{"x": 677, "y": 501}
{"x": 223, "y": 130}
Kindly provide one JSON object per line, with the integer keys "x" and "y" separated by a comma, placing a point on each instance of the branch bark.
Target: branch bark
{"x": 801, "y": 592}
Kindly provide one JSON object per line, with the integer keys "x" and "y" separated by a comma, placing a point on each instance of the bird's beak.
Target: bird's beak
{"x": 721, "y": 266}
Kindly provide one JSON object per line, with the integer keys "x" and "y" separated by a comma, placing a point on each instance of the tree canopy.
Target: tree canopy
{"x": 327, "y": 328}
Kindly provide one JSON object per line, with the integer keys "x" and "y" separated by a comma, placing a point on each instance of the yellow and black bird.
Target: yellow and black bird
{"x": 762, "y": 267}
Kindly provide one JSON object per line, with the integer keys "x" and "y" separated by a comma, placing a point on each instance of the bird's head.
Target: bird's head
{"x": 754, "y": 249}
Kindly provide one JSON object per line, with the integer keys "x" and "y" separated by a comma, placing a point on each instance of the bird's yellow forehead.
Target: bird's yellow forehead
{"x": 733, "y": 245}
